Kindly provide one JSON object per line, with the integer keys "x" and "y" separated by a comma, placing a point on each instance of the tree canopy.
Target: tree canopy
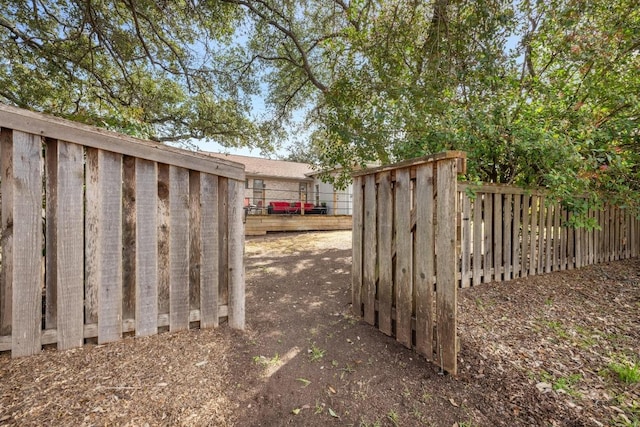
{"x": 152, "y": 68}
{"x": 537, "y": 92}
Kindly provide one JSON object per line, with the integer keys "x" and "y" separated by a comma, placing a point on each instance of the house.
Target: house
{"x": 283, "y": 181}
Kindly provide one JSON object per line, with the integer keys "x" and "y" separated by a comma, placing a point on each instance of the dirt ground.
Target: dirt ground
{"x": 551, "y": 350}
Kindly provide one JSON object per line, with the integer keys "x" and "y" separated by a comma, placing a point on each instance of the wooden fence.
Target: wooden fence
{"x": 104, "y": 234}
{"x": 404, "y": 215}
{"x": 508, "y": 232}
{"x": 418, "y": 236}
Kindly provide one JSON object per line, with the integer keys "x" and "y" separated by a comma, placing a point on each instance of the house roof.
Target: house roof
{"x": 259, "y": 167}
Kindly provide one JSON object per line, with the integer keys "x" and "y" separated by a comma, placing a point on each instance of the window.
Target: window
{"x": 258, "y": 192}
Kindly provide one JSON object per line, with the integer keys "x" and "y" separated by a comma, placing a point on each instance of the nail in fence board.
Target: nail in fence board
{"x": 27, "y": 279}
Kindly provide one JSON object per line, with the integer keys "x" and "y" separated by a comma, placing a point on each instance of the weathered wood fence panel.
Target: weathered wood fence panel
{"x": 124, "y": 236}
{"x": 405, "y": 251}
{"x": 537, "y": 231}
{"x": 418, "y": 235}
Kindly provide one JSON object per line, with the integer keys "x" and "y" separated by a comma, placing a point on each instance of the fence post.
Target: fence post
{"x": 446, "y": 260}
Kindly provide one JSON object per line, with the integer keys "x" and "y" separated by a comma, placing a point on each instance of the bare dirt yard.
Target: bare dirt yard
{"x": 561, "y": 349}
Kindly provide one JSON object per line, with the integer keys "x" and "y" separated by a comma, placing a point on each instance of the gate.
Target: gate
{"x": 405, "y": 245}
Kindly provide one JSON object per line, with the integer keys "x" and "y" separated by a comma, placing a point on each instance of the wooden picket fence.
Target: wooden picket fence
{"x": 419, "y": 235}
{"x": 508, "y": 232}
{"x": 403, "y": 216}
{"x": 104, "y": 234}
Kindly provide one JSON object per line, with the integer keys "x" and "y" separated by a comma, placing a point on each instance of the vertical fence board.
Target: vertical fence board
{"x": 506, "y": 235}
{"x": 223, "y": 241}
{"x": 385, "y": 235}
{"x": 146, "y": 265}
{"x": 178, "y": 248}
{"x": 70, "y": 245}
{"x": 477, "y": 240}
{"x": 488, "y": 238}
{"x": 109, "y": 249}
{"x": 533, "y": 235}
{"x": 27, "y": 277}
{"x": 465, "y": 268}
{"x": 370, "y": 261}
{"x": 128, "y": 237}
{"x": 446, "y": 295}
{"x": 236, "y": 251}
{"x": 542, "y": 234}
{"x": 91, "y": 220}
{"x": 195, "y": 261}
{"x": 403, "y": 291}
{"x": 634, "y": 237}
{"x": 526, "y": 234}
{"x": 51, "y": 231}
{"x": 516, "y": 246}
{"x": 497, "y": 237}
{"x": 424, "y": 259}
{"x": 163, "y": 238}
{"x": 6, "y": 230}
{"x": 557, "y": 230}
{"x": 571, "y": 243}
{"x": 209, "y": 245}
{"x": 357, "y": 232}
{"x": 548, "y": 237}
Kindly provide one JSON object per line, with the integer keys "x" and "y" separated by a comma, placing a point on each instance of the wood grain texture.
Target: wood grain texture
{"x": 91, "y": 221}
{"x": 223, "y": 240}
{"x": 498, "y": 261}
{"x": 516, "y": 246}
{"x": 404, "y": 261}
{"x": 27, "y": 260}
{"x": 465, "y": 268}
{"x": 163, "y": 239}
{"x": 357, "y": 238}
{"x": 525, "y": 236}
{"x": 209, "y": 245}
{"x": 146, "y": 265}
{"x": 109, "y": 247}
{"x": 129, "y": 237}
{"x": 488, "y": 238}
{"x": 51, "y": 233}
{"x": 370, "y": 249}
{"x": 533, "y": 236}
{"x": 507, "y": 237}
{"x": 477, "y": 240}
{"x": 446, "y": 291}
{"x": 424, "y": 261}
{"x": 195, "y": 261}
{"x": 70, "y": 245}
{"x": 6, "y": 230}
{"x": 236, "y": 255}
{"x": 384, "y": 255}
{"x": 178, "y": 248}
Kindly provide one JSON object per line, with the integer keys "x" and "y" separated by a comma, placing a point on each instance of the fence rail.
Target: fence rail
{"x": 508, "y": 232}
{"x": 104, "y": 234}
